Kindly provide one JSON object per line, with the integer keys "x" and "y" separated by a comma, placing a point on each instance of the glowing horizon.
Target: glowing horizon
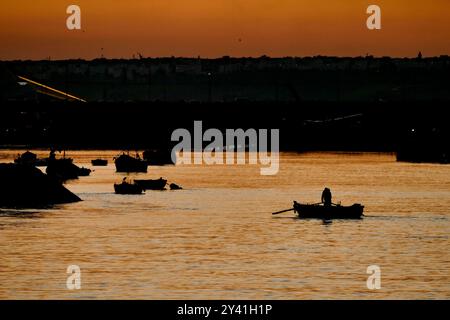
{"x": 215, "y": 28}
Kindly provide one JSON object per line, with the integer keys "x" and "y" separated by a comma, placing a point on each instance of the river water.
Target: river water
{"x": 217, "y": 239}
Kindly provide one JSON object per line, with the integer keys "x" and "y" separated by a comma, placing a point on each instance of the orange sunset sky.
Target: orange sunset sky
{"x": 36, "y": 29}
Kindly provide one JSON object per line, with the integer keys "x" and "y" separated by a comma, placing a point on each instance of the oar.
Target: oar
{"x": 287, "y": 210}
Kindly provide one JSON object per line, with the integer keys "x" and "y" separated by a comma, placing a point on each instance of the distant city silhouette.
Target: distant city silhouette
{"x": 318, "y": 103}
{"x": 230, "y": 79}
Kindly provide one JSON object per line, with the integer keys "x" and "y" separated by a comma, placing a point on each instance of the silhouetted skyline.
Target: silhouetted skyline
{"x": 123, "y": 29}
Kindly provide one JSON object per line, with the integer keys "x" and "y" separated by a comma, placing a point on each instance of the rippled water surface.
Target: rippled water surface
{"x": 217, "y": 238}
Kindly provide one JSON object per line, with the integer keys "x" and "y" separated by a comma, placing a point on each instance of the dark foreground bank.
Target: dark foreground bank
{"x": 25, "y": 186}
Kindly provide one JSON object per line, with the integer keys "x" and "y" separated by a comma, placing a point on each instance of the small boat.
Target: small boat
{"x": 158, "y": 184}
{"x": 127, "y": 188}
{"x": 127, "y": 163}
{"x": 29, "y": 158}
{"x": 65, "y": 169}
{"x": 99, "y": 163}
{"x": 334, "y": 211}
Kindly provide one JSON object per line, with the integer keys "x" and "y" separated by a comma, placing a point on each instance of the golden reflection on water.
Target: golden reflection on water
{"x": 217, "y": 239}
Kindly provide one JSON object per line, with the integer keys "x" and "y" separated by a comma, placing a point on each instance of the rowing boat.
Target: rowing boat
{"x": 327, "y": 212}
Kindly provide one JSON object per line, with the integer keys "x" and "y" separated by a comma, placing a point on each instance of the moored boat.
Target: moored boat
{"x": 29, "y": 158}
{"x": 128, "y": 188}
{"x": 99, "y": 163}
{"x": 334, "y": 211}
{"x": 158, "y": 184}
{"x": 65, "y": 169}
{"x": 127, "y": 163}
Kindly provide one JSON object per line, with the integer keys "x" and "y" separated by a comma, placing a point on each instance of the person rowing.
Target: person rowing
{"x": 326, "y": 197}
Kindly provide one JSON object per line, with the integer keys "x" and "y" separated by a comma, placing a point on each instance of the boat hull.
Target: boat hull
{"x": 127, "y": 188}
{"x": 29, "y": 158}
{"x": 65, "y": 169}
{"x": 158, "y": 184}
{"x": 99, "y": 163}
{"x": 319, "y": 211}
{"x": 126, "y": 163}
